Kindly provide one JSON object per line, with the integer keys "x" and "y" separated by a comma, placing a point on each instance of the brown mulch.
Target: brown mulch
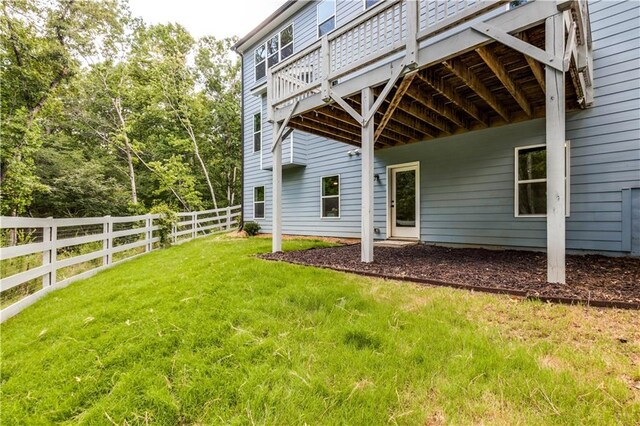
{"x": 590, "y": 278}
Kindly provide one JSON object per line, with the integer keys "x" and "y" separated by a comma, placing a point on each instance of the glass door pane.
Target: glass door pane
{"x": 405, "y": 202}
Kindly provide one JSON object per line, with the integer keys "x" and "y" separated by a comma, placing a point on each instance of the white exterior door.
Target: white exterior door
{"x": 404, "y": 201}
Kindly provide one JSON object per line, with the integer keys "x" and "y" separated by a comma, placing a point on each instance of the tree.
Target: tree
{"x": 218, "y": 72}
{"x": 41, "y": 44}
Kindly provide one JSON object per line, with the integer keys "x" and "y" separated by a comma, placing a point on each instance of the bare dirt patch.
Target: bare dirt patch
{"x": 590, "y": 278}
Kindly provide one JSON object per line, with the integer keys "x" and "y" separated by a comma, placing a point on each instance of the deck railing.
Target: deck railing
{"x": 387, "y": 28}
{"x": 52, "y": 253}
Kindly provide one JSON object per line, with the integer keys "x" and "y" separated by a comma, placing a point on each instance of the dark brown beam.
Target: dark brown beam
{"x": 393, "y": 104}
{"x": 536, "y": 67}
{"x": 339, "y": 114}
{"x": 444, "y": 110}
{"x": 320, "y": 130}
{"x": 447, "y": 90}
{"x": 403, "y": 125}
{"x": 330, "y": 123}
{"x": 423, "y": 114}
{"x": 407, "y": 113}
{"x": 497, "y": 67}
{"x": 471, "y": 79}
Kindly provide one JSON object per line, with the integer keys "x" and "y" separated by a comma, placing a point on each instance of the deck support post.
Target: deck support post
{"x": 367, "y": 177}
{"x": 276, "y": 153}
{"x": 555, "y": 140}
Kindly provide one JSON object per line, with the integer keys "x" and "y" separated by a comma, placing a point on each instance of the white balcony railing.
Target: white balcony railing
{"x": 378, "y": 33}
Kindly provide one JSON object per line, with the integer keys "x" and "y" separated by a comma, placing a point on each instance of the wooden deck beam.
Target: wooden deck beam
{"x": 403, "y": 125}
{"x": 536, "y": 67}
{"x": 444, "y": 110}
{"x": 419, "y": 112}
{"x": 474, "y": 83}
{"x": 447, "y": 90}
{"x": 498, "y": 69}
{"x": 321, "y": 130}
{"x": 338, "y": 119}
{"x": 393, "y": 104}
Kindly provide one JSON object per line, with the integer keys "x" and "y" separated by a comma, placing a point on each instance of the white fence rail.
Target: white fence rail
{"x": 51, "y": 253}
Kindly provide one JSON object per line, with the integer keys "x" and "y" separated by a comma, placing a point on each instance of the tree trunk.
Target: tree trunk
{"x": 132, "y": 174}
{"x": 196, "y": 151}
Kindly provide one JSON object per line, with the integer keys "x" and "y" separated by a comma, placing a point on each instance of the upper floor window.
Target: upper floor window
{"x": 274, "y": 50}
{"x": 369, "y": 3}
{"x": 257, "y": 132}
{"x": 326, "y": 17}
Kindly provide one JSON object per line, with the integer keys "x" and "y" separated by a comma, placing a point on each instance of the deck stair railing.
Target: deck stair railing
{"x": 387, "y": 28}
{"x": 52, "y": 253}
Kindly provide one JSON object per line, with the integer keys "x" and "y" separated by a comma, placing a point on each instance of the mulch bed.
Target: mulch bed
{"x": 591, "y": 279}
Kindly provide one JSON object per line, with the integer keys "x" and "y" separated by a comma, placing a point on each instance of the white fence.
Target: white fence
{"x": 51, "y": 253}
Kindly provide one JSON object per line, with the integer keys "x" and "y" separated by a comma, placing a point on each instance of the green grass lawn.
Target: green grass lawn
{"x": 206, "y": 333}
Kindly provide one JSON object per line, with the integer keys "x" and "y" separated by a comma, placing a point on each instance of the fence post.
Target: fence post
{"x": 228, "y": 218}
{"x": 149, "y": 233}
{"x": 174, "y": 230}
{"x": 194, "y": 221}
{"x": 49, "y": 253}
{"x": 107, "y": 227}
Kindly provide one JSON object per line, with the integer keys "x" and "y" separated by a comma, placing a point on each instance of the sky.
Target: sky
{"x": 220, "y": 18}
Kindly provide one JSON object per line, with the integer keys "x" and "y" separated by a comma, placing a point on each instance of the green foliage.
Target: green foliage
{"x": 168, "y": 218}
{"x": 251, "y": 228}
{"x": 41, "y": 44}
{"x": 206, "y": 333}
{"x": 151, "y": 117}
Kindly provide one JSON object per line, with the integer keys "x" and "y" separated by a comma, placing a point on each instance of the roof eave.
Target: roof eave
{"x": 274, "y": 20}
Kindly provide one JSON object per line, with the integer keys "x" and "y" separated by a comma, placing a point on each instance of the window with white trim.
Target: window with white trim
{"x": 330, "y": 197}
{"x": 276, "y": 49}
{"x": 258, "y": 202}
{"x": 257, "y": 132}
{"x": 326, "y": 11}
{"x": 531, "y": 180}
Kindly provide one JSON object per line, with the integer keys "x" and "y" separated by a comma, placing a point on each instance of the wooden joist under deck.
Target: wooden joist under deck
{"x": 488, "y": 86}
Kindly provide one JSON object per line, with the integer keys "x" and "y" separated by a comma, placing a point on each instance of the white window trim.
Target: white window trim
{"x": 257, "y": 202}
{"x": 322, "y": 197}
{"x": 253, "y": 135}
{"x": 335, "y": 18}
{"x": 266, "y": 52}
{"x": 567, "y": 180}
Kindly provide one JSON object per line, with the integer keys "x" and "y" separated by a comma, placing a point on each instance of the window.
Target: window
{"x": 330, "y": 197}
{"x": 369, "y": 3}
{"x": 274, "y": 50}
{"x": 326, "y": 16}
{"x": 531, "y": 180}
{"x": 257, "y": 132}
{"x": 258, "y": 202}
{"x": 515, "y": 3}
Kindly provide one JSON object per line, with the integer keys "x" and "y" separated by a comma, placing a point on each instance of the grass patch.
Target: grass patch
{"x": 206, "y": 333}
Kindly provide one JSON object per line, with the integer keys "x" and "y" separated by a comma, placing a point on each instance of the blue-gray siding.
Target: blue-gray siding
{"x": 467, "y": 181}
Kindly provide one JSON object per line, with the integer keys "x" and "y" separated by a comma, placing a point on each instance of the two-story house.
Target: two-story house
{"x": 454, "y": 122}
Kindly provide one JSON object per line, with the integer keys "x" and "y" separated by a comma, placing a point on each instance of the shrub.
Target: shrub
{"x": 166, "y": 221}
{"x": 251, "y": 228}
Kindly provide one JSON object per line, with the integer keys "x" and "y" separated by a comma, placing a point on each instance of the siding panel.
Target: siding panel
{"x": 467, "y": 181}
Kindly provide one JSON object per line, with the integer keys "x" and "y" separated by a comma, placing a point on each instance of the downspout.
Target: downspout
{"x": 242, "y": 139}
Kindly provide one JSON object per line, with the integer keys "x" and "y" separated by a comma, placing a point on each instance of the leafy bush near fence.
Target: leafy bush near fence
{"x": 168, "y": 218}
